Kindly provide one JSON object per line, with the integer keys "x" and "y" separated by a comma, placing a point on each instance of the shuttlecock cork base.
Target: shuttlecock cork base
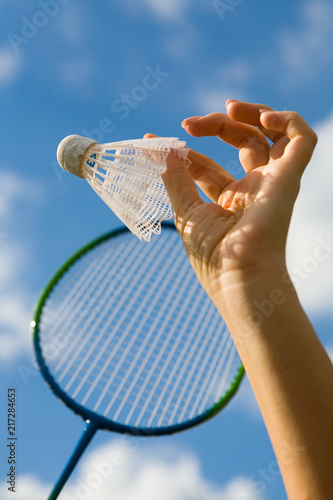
{"x": 127, "y": 176}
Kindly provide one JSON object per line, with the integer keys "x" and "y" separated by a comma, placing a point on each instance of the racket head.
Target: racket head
{"x": 83, "y": 339}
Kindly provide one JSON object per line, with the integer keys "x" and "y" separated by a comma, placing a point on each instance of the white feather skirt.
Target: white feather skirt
{"x": 127, "y": 176}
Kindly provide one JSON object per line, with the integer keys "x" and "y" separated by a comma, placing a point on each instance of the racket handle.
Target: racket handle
{"x": 80, "y": 447}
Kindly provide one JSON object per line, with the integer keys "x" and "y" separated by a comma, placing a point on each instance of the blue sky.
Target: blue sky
{"x": 66, "y": 67}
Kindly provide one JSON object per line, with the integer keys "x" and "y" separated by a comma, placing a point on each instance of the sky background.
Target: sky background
{"x": 65, "y": 67}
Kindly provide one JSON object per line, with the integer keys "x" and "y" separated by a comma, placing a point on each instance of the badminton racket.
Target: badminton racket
{"x": 127, "y": 338}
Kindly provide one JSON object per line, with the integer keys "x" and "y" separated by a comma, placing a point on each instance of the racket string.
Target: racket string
{"x": 98, "y": 338}
{"x": 119, "y": 378}
{"x": 79, "y": 311}
{"x": 153, "y": 352}
{"x": 181, "y": 357}
{"x": 160, "y": 319}
{"x": 53, "y": 337}
{"x": 193, "y": 367}
{"x": 128, "y": 329}
{"x": 88, "y": 322}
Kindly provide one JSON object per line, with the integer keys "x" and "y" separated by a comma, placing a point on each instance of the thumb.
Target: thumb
{"x": 181, "y": 189}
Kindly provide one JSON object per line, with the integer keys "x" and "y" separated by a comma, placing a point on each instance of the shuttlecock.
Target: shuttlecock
{"x": 127, "y": 176}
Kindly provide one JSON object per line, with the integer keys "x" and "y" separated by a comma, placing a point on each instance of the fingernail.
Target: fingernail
{"x": 229, "y": 101}
{"x": 189, "y": 120}
{"x": 261, "y": 111}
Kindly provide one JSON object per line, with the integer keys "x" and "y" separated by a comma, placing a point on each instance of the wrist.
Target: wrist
{"x": 251, "y": 298}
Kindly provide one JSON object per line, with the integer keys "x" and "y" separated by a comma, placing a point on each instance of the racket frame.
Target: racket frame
{"x": 88, "y": 415}
{"x": 94, "y": 421}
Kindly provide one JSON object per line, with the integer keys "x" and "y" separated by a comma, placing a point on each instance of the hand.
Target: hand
{"x": 245, "y": 228}
{"x": 237, "y": 247}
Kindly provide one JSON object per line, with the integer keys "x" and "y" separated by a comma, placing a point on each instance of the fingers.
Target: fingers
{"x": 292, "y": 136}
{"x": 221, "y": 125}
{"x": 181, "y": 188}
{"x": 211, "y": 178}
{"x": 245, "y": 127}
{"x": 182, "y": 191}
{"x": 302, "y": 139}
{"x": 246, "y": 112}
{"x": 248, "y": 139}
{"x": 250, "y": 113}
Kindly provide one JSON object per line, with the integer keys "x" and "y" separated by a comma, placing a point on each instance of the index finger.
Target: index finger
{"x": 233, "y": 132}
{"x": 252, "y": 143}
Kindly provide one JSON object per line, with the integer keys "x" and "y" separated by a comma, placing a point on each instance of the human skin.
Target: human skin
{"x": 236, "y": 245}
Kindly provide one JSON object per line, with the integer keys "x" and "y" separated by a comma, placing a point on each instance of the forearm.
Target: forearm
{"x": 290, "y": 373}
{"x": 288, "y": 368}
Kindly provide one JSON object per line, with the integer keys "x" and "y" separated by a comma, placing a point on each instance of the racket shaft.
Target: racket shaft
{"x": 81, "y": 446}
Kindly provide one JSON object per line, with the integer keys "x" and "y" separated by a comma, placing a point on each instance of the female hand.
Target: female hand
{"x": 237, "y": 247}
{"x": 245, "y": 228}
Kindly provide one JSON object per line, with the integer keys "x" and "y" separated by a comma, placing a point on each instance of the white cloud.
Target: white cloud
{"x": 329, "y": 350}
{"x": 305, "y": 49}
{"x": 10, "y": 255}
{"x": 15, "y": 315}
{"x": 301, "y": 52}
{"x": 72, "y": 23}
{"x": 183, "y": 43}
{"x": 310, "y": 248}
{"x": 169, "y": 10}
{"x": 77, "y": 73}
{"x": 213, "y": 100}
{"x": 229, "y": 82}
{"x": 10, "y": 65}
{"x": 14, "y": 188}
{"x": 128, "y": 472}
{"x": 15, "y": 301}
{"x": 245, "y": 401}
{"x": 69, "y": 29}
{"x": 27, "y": 488}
